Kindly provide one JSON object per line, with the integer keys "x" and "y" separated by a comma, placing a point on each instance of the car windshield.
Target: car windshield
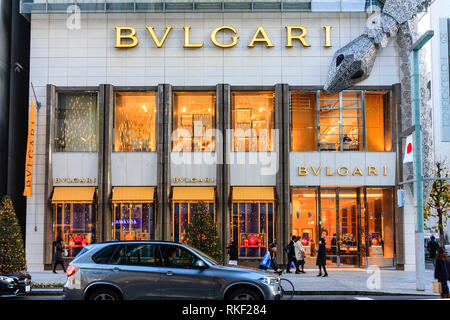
{"x": 205, "y": 256}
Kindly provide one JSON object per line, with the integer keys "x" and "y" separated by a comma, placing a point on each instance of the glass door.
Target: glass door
{"x": 348, "y": 227}
{"x": 328, "y": 224}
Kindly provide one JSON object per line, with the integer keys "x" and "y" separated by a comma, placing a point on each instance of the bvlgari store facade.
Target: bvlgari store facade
{"x": 146, "y": 114}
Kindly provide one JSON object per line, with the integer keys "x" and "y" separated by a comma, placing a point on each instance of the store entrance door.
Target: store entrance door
{"x": 340, "y": 225}
{"x": 348, "y": 243}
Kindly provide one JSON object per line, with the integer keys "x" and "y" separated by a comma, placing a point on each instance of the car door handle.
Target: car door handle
{"x": 169, "y": 273}
{"x": 116, "y": 269}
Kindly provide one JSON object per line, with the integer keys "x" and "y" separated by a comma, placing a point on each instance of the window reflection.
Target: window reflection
{"x": 135, "y": 122}
{"x": 193, "y": 121}
{"x": 76, "y": 122}
{"x": 252, "y": 121}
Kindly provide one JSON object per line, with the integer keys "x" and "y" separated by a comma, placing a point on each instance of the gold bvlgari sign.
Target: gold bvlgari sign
{"x": 193, "y": 180}
{"x": 75, "y": 180}
{"x": 126, "y": 37}
{"x": 343, "y": 171}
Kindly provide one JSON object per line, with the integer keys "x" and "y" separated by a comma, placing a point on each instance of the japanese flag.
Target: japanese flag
{"x": 409, "y": 149}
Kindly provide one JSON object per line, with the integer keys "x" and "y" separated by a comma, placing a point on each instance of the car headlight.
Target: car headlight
{"x": 6, "y": 279}
{"x": 270, "y": 281}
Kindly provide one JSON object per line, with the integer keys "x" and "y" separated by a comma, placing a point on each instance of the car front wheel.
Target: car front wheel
{"x": 244, "y": 294}
{"x": 104, "y": 294}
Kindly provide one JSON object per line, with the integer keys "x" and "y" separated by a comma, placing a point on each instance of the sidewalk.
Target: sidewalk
{"x": 339, "y": 281}
{"x": 48, "y": 277}
{"x": 360, "y": 281}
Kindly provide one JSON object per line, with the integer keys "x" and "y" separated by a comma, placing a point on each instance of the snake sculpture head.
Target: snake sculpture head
{"x": 354, "y": 62}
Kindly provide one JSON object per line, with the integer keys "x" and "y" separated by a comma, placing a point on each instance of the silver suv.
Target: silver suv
{"x": 161, "y": 270}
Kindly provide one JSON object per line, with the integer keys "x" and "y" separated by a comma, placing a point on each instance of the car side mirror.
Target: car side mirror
{"x": 201, "y": 265}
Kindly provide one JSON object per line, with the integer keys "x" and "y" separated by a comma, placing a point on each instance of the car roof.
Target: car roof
{"x": 136, "y": 241}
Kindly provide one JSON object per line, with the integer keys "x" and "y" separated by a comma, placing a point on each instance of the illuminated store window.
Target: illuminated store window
{"x": 135, "y": 122}
{"x": 304, "y": 220}
{"x": 304, "y": 121}
{"x": 341, "y": 121}
{"x": 74, "y": 224}
{"x": 356, "y": 223}
{"x": 194, "y": 121}
{"x": 134, "y": 221}
{"x": 252, "y": 121}
{"x": 378, "y": 121}
{"x": 380, "y": 226}
{"x": 76, "y": 122}
{"x": 182, "y": 213}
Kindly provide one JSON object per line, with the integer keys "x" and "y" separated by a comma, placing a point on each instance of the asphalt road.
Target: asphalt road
{"x": 305, "y": 298}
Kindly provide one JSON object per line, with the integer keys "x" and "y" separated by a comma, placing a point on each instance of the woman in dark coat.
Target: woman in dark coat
{"x": 59, "y": 248}
{"x": 322, "y": 258}
{"x": 442, "y": 270}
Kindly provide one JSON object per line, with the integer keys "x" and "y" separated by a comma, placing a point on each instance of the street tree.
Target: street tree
{"x": 12, "y": 253}
{"x": 438, "y": 205}
{"x": 201, "y": 232}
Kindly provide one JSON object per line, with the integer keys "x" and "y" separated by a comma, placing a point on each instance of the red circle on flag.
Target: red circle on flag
{"x": 409, "y": 148}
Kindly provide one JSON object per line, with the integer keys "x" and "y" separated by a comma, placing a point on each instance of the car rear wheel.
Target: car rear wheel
{"x": 244, "y": 294}
{"x": 104, "y": 294}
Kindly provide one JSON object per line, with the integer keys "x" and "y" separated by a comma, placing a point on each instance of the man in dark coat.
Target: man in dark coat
{"x": 291, "y": 256}
{"x": 233, "y": 252}
{"x": 59, "y": 248}
{"x": 322, "y": 258}
{"x": 442, "y": 271}
{"x": 432, "y": 247}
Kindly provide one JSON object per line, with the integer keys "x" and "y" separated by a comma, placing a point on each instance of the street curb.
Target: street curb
{"x": 58, "y": 292}
{"x": 356, "y": 293}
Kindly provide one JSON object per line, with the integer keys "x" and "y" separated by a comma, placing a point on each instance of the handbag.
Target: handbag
{"x": 66, "y": 252}
{"x": 437, "y": 287}
{"x": 303, "y": 254}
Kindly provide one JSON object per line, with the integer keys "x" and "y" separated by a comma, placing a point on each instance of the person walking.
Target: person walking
{"x": 432, "y": 247}
{"x": 442, "y": 270}
{"x": 300, "y": 255}
{"x": 233, "y": 252}
{"x": 291, "y": 256}
{"x": 322, "y": 258}
{"x": 269, "y": 260}
{"x": 59, "y": 249}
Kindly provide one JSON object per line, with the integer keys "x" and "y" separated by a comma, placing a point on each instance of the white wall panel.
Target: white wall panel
{"x": 335, "y": 160}
{"x": 134, "y": 169}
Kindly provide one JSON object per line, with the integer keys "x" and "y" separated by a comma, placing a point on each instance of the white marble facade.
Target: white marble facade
{"x": 88, "y": 57}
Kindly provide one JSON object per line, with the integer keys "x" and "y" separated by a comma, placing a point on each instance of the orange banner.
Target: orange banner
{"x": 28, "y": 191}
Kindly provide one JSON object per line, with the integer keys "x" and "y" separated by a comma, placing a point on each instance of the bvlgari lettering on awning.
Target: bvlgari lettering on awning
{"x": 75, "y": 180}
{"x": 343, "y": 171}
{"x": 193, "y": 180}
{"x": 126, "y": 37}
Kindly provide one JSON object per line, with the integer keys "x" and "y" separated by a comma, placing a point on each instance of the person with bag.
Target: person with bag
{"x": 300, "y": 254}
{"x": 269, "y": 260}
{"x": 321, "y": 260}
{"x": 442, "y": 271}
{"x": 291, "y": 256}
{"x": 59, "y": 250}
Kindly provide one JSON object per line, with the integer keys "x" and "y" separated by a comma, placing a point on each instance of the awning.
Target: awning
{"x": 133, "y": 194}
{"x": 73, "y": 194}
{"x": 193, "y": 193}
{"x": 253, "y": 194}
